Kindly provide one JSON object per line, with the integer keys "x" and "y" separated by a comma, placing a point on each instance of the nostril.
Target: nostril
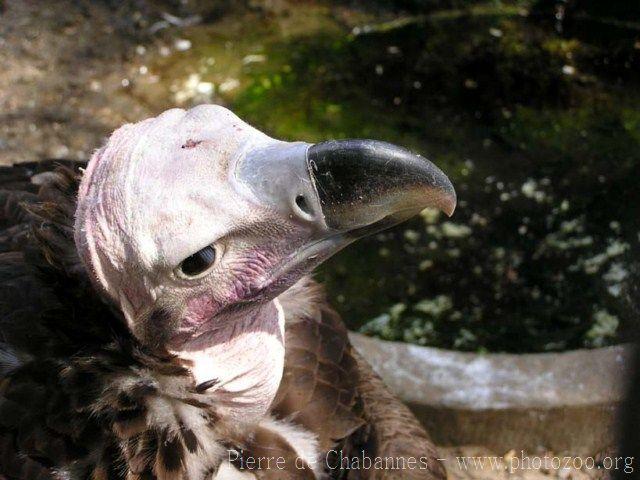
{"x": 303, "y": 205}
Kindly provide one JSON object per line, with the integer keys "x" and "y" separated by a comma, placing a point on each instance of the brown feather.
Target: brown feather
{"x": 329, "y": 389}
{"x": 128, "y": 423}
{"x": 267, "y": 445}
{"x": 170, "y": 454}
{"x": 318, "y": 389}
{"x": 393, "y": 431}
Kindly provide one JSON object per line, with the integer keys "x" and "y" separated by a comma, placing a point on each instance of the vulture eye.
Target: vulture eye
{"x": 199, "y": 262}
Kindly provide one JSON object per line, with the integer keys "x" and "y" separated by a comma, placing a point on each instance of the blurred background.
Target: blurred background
{"x": 531, "y": 106}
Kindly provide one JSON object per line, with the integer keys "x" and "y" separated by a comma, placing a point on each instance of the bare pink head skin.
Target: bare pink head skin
{"x": 165, "y": 188}
{"x": 159, "y": 191}
{"x": 162, "y": 189}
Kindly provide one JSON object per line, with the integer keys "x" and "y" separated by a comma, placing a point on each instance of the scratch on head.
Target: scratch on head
{"x": 191, "y": 143}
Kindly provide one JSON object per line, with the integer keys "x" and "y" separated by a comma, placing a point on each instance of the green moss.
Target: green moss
{"x": 542, "y": 143}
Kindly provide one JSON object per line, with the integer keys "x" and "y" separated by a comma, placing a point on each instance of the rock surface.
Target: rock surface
{"x": 561, "y": 401}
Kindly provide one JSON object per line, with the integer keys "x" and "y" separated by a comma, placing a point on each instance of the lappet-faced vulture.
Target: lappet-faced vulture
{"x": 158, "y": 322}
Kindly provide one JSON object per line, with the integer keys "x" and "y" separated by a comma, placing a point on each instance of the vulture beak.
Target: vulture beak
{"x": 365, "y": 182}
{"x": 343, "y": 189}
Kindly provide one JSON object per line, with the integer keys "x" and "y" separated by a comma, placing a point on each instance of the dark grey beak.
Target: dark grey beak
{"x": 363, "y": 182}
{"x": 346, "y": 186}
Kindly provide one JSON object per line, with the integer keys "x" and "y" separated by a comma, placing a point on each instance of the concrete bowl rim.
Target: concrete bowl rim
{"x": 490, "y": 381}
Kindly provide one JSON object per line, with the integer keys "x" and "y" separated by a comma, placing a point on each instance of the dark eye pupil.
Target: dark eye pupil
{"x": 198, "y": 262}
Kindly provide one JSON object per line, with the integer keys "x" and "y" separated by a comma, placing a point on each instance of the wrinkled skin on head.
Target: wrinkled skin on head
{"x": 161, "y": 190}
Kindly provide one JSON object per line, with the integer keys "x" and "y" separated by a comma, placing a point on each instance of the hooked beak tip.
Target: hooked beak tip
{"x": 449, "y": 205}
{"x": 449, "y": 200}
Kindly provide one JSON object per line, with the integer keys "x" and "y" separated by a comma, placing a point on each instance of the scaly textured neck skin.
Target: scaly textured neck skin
{"x": 243, "y": 361}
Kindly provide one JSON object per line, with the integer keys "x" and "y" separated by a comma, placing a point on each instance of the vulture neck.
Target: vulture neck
{"x": 243, "y": 362}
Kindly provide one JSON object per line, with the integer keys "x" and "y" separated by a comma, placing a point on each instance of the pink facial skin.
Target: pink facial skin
{"x": 156, "y": 193}
{"x": 249, "y": 277}
{"x": 199, "y": 310}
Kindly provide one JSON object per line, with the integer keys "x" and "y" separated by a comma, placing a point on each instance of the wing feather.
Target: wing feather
{"x": 330, "y": 389}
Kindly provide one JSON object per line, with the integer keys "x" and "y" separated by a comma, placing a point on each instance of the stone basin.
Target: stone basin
{"x": 564, "y": 402}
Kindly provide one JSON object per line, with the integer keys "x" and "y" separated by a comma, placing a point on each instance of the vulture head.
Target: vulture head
{"x": 193, "y": 223}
